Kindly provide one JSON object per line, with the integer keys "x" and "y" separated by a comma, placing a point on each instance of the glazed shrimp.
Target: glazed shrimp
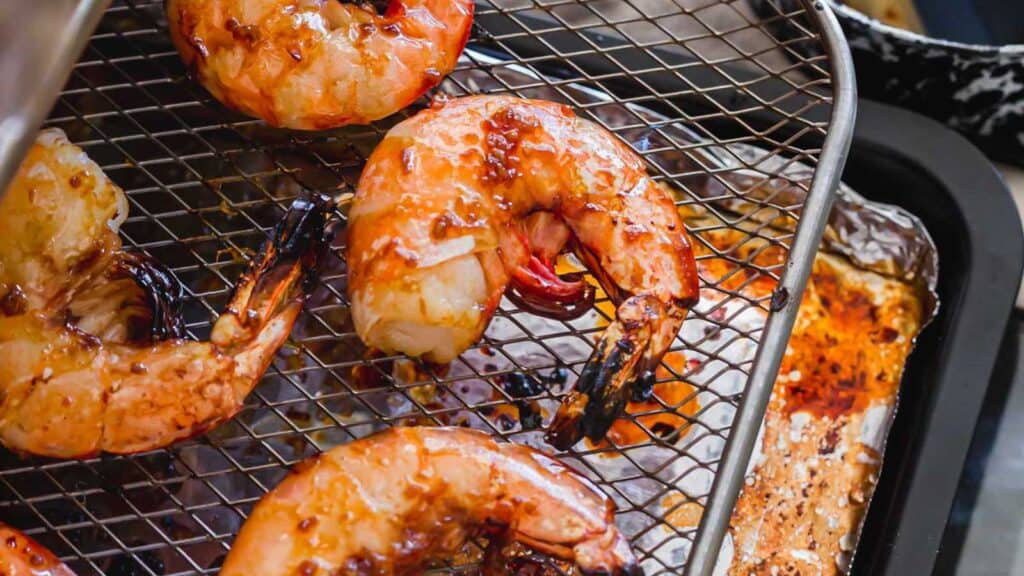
{"x": 392, "y": 502}
{"x": 316, "y": 64}
{"x": 479, "y": 194}
{"x": 74, "y": 379}
{"x": 23, "y": 556}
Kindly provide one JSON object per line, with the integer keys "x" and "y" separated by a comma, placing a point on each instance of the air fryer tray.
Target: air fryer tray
{"x": 205, "y": 186}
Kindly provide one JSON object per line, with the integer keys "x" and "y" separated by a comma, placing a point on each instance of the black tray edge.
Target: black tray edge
{"x": 968, "y": 346}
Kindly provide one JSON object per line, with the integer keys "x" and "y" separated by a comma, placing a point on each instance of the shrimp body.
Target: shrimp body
{"x": 59, "y": 220}
{"x": 316, "y": 64}
{"x": 480, "y": 194}
{"x": 23, "y": 556}
{"x": 77, "y": 375}
{"x": 392, "y": 502}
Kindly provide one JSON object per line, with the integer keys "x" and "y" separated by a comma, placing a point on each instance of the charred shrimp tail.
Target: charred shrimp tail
{"x": 623, "y": 359}
{"x": 163, "y": 293}
{"x": 280, "y": 276}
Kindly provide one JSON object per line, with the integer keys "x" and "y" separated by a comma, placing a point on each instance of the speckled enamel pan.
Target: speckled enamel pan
{"x": 975, "y": 89}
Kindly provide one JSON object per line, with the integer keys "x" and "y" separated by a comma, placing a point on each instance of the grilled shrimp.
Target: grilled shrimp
{"x": 392, "y": 502}
{"x": 23, "y": 556}
{"x": 77, "y": 376}
{"x": 316, "y": 64}
{"x": 481, "y": 194}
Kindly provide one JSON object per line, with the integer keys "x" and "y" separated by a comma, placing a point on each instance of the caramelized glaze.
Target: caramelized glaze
{"x": 819, "y": 453}
{"x": 23, "y": 556}
{"x": 318, "y": 64}
{"x": 393, "y": 502}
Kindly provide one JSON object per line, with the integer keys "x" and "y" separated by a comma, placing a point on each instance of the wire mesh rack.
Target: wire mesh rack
{"x": 721, "y": 108}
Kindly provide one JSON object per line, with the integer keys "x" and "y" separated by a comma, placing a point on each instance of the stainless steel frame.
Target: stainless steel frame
{"x": 738, "y": 451}
{"x": 684, "y": 82}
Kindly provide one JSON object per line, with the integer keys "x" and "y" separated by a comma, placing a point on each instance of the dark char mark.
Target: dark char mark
{"x": 164, "y": 294}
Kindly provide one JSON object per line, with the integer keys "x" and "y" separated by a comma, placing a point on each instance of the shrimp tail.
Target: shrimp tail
{"x": 297, "y": 243}
{"x": 163, "y": 292}
{"x": 398, "y": 501}
{"x": 622, "y": 358}
{"x": 281, "y": 275}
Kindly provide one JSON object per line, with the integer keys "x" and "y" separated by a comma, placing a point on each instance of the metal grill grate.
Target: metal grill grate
{"x": 689, "y": 84}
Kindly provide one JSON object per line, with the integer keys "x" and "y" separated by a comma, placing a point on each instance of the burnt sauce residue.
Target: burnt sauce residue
{"x": 847, "y": 352}
{"x": 847, "y": 347}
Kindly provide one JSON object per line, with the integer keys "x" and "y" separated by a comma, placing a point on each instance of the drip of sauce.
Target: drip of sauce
{"x": 681, "y": 512}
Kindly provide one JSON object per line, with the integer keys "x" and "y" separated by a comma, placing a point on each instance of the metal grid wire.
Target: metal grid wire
{"x": 682, "y": 81}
